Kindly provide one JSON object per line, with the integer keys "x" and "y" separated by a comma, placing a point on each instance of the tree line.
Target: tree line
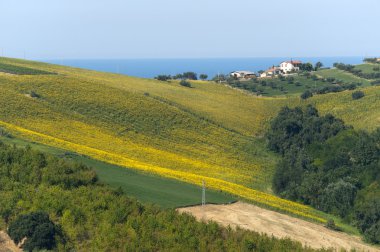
{"x": 358, "y": 72}
{"x": 372, "y": 60}
{"x": 328, "y": 165}
{"x": 182, "y": 76}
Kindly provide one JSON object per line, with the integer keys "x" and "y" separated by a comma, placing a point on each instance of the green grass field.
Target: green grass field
{"x": 147, "y": 188}
{"x": 294, "y": 88}
{"x": 342, "y": 75}
{"x": 368, "y": 68}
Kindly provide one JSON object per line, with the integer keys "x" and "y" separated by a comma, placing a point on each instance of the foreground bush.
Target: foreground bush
{"x": 35, "y": 230}
{"x": 357, "y": 95}
{"x": 185, "y": 83}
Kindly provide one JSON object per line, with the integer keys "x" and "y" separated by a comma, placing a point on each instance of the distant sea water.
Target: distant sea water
{"x": 149, "y": 68}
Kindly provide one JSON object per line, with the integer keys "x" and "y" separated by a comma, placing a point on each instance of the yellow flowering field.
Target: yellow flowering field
{"x": 242, "y": 191}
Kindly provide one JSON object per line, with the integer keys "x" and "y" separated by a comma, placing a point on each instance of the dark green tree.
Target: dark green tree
{"x": 189, "y": 76}
{"x": 37, "y": 228}
{"x": 185, "y": 83}
{"x": 203, "y": 76}
{"x": 357, "y": 95}
{"x": 307, "y": 94}
{"x": 307, "y": 67}
{"x": 318, "y": 65}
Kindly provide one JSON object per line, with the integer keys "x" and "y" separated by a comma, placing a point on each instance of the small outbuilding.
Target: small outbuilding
{"x": 243, "y": 74}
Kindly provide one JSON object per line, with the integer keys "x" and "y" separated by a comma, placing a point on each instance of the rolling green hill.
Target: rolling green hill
{"x": 209, "y": 132}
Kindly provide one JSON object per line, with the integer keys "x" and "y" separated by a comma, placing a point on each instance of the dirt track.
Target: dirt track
{"x": 279, "y": 225}
{"x": 6, "y": 244}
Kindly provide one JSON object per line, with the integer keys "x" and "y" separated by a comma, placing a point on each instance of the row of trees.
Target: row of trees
{"x": 183, "y": 76}
{"x": 328, "y": 165}
{"x": 59, "y": 204}
{"x": 372, "y": 60}
{"x": 357, "y": 72}
{"x": 329, "y": 89}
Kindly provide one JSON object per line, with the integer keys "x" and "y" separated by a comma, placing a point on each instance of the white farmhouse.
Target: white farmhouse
{"x": 243, "y": 74}
{"x": 290, "y": 66}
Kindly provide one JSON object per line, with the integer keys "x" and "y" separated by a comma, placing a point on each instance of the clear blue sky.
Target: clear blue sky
{"x": 54, "y": 29}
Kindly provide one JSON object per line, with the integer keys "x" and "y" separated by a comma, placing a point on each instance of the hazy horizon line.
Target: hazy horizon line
{"x": 197, "y": 58}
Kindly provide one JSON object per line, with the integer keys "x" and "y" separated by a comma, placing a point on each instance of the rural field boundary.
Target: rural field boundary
{"x": 251, "y": 217}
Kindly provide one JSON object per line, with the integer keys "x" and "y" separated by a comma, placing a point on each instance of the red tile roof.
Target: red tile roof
{"x": 294, "y": 61}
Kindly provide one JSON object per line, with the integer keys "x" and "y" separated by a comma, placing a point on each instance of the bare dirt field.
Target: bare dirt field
{"x": 6, "y": 244}
{"x": 279, "y": 225}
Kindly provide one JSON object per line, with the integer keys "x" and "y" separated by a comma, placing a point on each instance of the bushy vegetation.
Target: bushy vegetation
{"x": 185, "y": 83}
{"x": 5, "y": 133}
{"x": 203, "y": 76}
{"x": 82, "y": 214}
{"x": 163, "y": 77}
{"x": 183, "y": 76}
{"x": 371, "y": 60}
{"x": 328, "y": 165}
{"x": 357, "y": 95}
{"x": 34, "y": 231}
{"x": 13, "y": 69}
{"x": 306, "y": 94}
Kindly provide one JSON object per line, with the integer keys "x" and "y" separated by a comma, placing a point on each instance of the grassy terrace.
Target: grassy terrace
{"x": 342, "y": 75}
{"x": 368, "y": 68}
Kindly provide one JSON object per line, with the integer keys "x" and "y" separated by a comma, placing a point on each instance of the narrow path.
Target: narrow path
{"x": 279, "y": 225}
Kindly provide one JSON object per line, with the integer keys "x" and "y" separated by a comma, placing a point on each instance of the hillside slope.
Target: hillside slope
{"x": 278, "y": 225}
{"x": 191, "y": 134}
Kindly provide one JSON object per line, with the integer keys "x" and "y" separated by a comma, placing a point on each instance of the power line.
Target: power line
{"x": 203, "y": 193}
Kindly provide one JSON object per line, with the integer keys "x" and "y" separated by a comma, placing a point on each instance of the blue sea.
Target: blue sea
{"x": 149, "y": 68}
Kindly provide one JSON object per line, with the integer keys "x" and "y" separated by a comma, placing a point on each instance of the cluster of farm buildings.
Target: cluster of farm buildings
{"x": 285, "y": 68}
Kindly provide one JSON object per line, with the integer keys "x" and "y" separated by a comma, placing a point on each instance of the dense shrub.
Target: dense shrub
{"x": 163, "y": 77}
{"x": 185, "y": 83}
{"x": 357, "y": 95}
{"x": 189, "y": 75}
{"x": 375, "y": 83}
{"x": 298, "y": 128}
{"x": 5, "y": 133}
{"x": 38, "y": 230}
{"x": 329, "y": 166}
{"x": 306, "y": 94}
{"x": 203, "y": 76}
{"x": 33, "y": 94}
